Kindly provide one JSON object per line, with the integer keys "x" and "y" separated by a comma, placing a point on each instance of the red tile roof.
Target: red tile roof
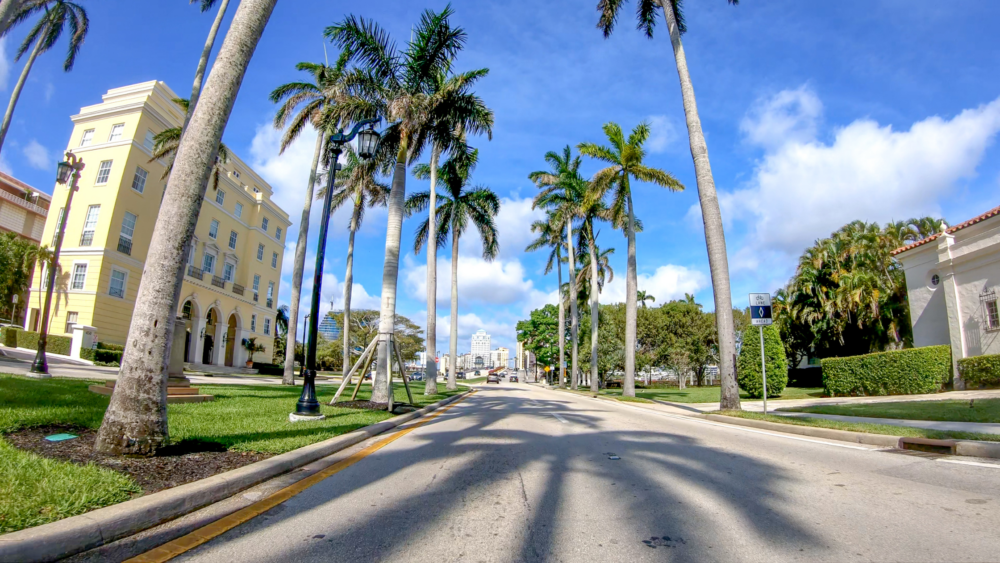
{"x": 991, "y": 213}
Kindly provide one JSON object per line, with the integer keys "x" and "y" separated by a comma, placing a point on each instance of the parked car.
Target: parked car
{"x": 460, "y": 376}
{"x": 493, "y": 378}
{"x": 513, "y": 379}
{"x": 417, "y": 376}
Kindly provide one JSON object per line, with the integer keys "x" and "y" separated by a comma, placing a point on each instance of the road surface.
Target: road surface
{"x": 520, "y": 473}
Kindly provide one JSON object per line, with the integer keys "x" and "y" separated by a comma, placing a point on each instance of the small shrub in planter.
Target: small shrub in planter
{"x": 980, "y": 370}
{"x": 748, "y": 365}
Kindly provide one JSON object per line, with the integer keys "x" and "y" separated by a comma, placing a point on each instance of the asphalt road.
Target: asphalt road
{"x": 519, "y": 473}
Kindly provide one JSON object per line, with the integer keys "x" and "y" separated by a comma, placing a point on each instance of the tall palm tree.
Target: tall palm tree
{"x": 9, "y": 9}
{"x": 459, "y": 112}
{"x": 206, "y": 52}
{"x": 136, "y": 420}
{"x": 57, "y": 16}
{"x": 396, "y": 89}
{"x": 642, "y": 297}
{"x": 550, "y": 236}
{"x": 711, "y": 214}
{"x": 625, "y": 157}
{"x": 166, "y": 142}
{"x": 592, "y": 210}
{"x": 459, "y": 206}
{"x": 311, "y": 99}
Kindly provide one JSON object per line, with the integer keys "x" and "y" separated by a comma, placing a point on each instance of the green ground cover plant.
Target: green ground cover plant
{"x": 978, "y": 410}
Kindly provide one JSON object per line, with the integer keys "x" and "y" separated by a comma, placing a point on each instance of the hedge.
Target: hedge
{"x": 17, "y": 338}
{"x": 748, "y": 365}
{"x": 806, "y": 377}
{"x": 268, "y": 369}
{"x": 897, "y": 372}
{"x": 102, "y": 355}
{"x": 980, "y": 370}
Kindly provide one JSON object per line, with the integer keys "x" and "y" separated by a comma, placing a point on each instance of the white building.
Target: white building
{"x": 500, "y": 357}
{"x": 953, "y": 281}
{"x": 481, "y": 348}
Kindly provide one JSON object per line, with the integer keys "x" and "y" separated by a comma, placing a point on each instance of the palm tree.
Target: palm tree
{"x": 550, "y": 235}
{"x": 312, "y": 98}
{"x": 592, "y": 210}
{"x": 166, "y": 142}
{"x": 625, "y": 157}
{"x": 59, "y": 14}
{"x": 711, "y": 214}
{"x": 459, "y": 112}
{"x": 9, "y": 9}
{"x": 396, "y": 88}
{"x": 459, "y": 206}
{"x": 642, "y": 297}
{"x": 135, "y": 422}
{"x": 206, "y": 52}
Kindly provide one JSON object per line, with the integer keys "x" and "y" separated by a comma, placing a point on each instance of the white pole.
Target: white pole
{"x": 763, "y": 369}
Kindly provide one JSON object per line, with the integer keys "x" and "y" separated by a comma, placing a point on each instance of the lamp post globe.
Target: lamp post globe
{"x": 64, "y": 172}
{"x": 368, "y": 140}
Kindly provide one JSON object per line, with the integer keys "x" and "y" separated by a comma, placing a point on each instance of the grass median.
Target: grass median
{"x": 977, "y": 410}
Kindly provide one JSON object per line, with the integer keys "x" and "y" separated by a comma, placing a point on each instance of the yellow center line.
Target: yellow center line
{"x": 190, "y": 541}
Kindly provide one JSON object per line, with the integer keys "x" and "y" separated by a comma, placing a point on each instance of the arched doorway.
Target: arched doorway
{"x": 231, "y": 340}
{"x": 210, "y": 326}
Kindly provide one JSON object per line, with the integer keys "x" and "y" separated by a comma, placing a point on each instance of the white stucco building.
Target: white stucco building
{"x": 481, "y": 347}
{"x": 953, "y": 281}
{"x": 500, "y": 357}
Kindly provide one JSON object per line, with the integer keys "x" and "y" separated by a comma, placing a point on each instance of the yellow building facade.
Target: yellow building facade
{"x": 233, "y": 269}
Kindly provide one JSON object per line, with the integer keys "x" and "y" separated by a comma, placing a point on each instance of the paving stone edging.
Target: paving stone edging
{"x": 69, "y": 536}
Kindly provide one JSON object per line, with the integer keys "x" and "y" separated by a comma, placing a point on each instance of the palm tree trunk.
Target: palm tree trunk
{"x": 390, "y": 277}
{"x": 288, "y": 376}
{"x": 20, "y": 86}
{"x": 631, "y": 313}
{"x": 199, "y": 74}
{"x": 715, "y": 238}
{"x": 453, "y": 338}
{"x": 430, "y": 372}
{"x": 8, "y": 9}
{"x": 562, "y": 322}
{"x": 136, "y": 420}
{"x": 348, "y": 287}
{"x": 594, "y": 308}
{"x": 574, "y": 317}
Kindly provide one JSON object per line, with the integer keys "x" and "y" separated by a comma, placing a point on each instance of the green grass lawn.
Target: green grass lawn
{"x": 865, "y": 427}
{"x": 35, "y": 490}
{"x": 982, "y": 410}
{"x": 709, "y": 394}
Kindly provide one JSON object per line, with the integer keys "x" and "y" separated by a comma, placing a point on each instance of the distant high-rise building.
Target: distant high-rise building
{"x": 481, "y": 348}
{"x": 328, "y": 328}
{"x": 500, "y": 357}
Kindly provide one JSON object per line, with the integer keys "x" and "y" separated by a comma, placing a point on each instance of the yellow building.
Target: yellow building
{"x": 231, "y": 280}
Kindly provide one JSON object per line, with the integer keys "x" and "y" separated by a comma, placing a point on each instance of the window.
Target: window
{"x": 139, "y": 180}
{"x": 270, "y": 290}
{"x": 90, "y": 225}
{"x": 991, "y": 314}
{"x": 150, "y": 141}
{"x": 190, "y": 254}
{"x": 255, "y": 190}
{"x": 253, "y": 323}
{"x": 274, "y": 260}
{"x": 208, "y": 264}
{"x": 260, "y": 251}
{"x": 71, "y": 318}
{"x": 79, "y": 276}
{"x": 277, "y": 233}
{"x": 128, "y": 229}
{"x": 232, "y": 239}
{"x": 256, "y": 283}
{"x": 228, "y": 272}
{"x": 213, "y": 229}
{"x": 103, "y": 172}
{"x": 116, "y": 132}
{"x": 88, "y": 137}
{"x": 236, "y": 174}
{"x": 117, "y": 287}
{"x": 935, "y": 280}
{"x": 45, "y": 278}
{"x": 267, "y": 327}
{"x": 59, "y": 225}
{"x": 239, "y": 210}
{"x": 263, "y": 224}
{"x": 220, "y": 197}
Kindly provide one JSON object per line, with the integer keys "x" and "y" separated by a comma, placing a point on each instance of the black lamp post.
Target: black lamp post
{"x": 68, "y": 172}
{"x": 368, "y": 139}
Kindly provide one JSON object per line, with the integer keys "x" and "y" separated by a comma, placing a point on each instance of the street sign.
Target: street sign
{"x": 760, "y": 309}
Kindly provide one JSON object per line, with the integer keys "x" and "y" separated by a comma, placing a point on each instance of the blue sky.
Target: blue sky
{"x": 816, "y": 114}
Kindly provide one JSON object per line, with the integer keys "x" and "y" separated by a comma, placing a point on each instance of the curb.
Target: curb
{"x": 83, "y": 532}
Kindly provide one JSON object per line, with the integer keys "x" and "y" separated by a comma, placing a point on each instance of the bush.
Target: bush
{"x": 107, "y": 346}
{"x": 56, "y": 344}
{"x": 268, "y": 369}
{"x": 980, "y": 370}
{"x": 87, "y": 354}
{"x": 748, "y": 365}
{"x": 805, "y": 377}
{"x": 8, "y": 335}
{"x": 898, "y": 372}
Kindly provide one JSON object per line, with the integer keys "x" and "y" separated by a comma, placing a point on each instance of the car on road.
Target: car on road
{"x": 416, "y": 376}
{"x": 460, "y": 376}
{"x": 493, "y": 378}
{"x": 512, "y": 379}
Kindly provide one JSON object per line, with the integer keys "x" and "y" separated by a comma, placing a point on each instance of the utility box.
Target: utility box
{"x": 84, "y": 337}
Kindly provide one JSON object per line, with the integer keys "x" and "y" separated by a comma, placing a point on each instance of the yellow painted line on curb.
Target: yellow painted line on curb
{"x": 172, "y": 549}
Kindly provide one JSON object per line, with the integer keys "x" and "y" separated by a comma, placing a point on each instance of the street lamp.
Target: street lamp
{"x": 68, "y": 172}
{"x": 368, "y": 140}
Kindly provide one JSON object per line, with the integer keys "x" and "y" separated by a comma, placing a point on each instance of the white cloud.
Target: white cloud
{"x": 663, "y": 134}
{"x": 513, "y": 226}
{"x": 787, "y": 117}
{"x": 37, "y": 155}
{"x": 667, "y": 283}
{"x": 501, "y": 282}
{"x": 4, "y": 64}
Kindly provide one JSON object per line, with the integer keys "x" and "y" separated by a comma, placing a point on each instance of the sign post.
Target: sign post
{"x": 760, "y": 316}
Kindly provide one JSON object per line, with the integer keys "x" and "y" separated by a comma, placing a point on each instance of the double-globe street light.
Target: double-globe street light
{"x": 368, "y": 139}
{"x": 68, "y": 172}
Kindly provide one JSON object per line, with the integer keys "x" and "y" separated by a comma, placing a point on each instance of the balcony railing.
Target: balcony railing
{"x": 219, "y": 282}
{"x": 24, "y": 203}
{"x": 238, "y": 289}
{"x": 270, "y": 303}
{"x": 125, "y": 245}
{"x": 195, "y": 272}
{"x": 256, "y": 297}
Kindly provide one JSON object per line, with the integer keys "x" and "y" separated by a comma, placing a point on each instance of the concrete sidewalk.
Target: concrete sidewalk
{"x": 978, "y": 427}
{"x": 758, "y": 406}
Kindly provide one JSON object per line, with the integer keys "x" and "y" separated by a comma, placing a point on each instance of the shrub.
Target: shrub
{"x": 87, "y": 354}
{"x": 805, "y": 377}
{"x": 107, "y": 346}
{"x": 748, "y": 365}
{"x": 8, "y": 335}
{"x": 980, "y": 370}
{"x": 898, "y": 372}
{"x": 268, "y": 369}
{"x": 56, "y": 344}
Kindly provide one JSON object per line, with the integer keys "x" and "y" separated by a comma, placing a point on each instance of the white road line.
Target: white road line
{"x": 559, "y": 418}
{"x": 975, "y": 463}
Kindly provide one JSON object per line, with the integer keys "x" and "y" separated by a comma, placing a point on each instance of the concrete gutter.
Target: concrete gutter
{"x": 56, "y": 540}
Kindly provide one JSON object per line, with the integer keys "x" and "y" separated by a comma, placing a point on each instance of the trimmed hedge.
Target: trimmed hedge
{"x": 748, "y": 365}
{"x": 102, "y": 355}
{"x": 980, "y": 370}
{"x": 806, "y": 377}
{"x": 8, "y": 335}
{"x": 898, "y": 372}
{"x": 268, "y": 369}
{"x": 18, "y": 338}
